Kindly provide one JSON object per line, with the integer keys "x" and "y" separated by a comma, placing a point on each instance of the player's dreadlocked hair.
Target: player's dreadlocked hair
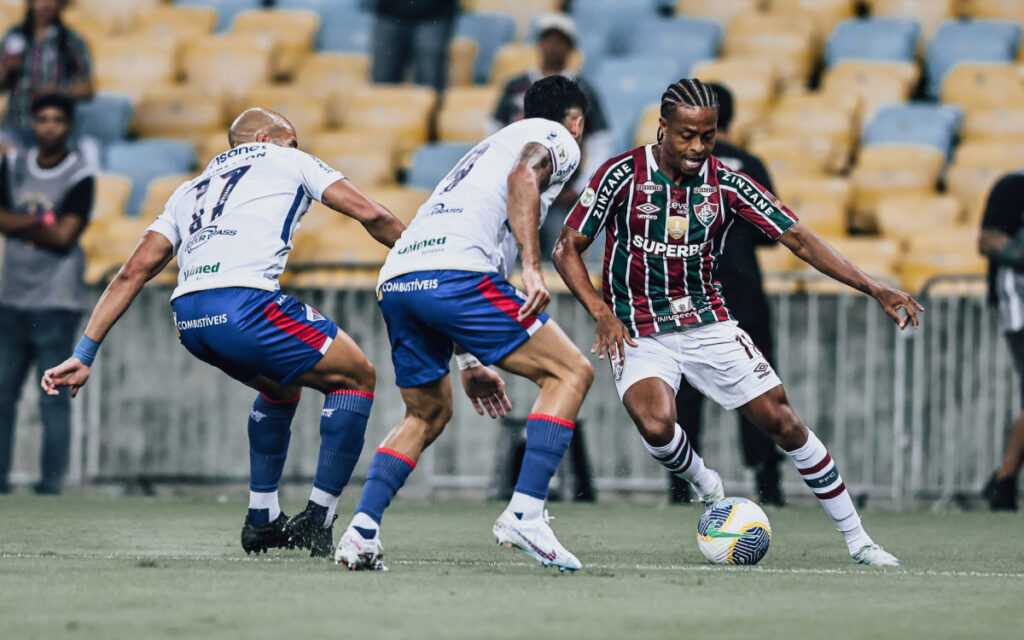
{"x": 552, "y": 97}
{"x": 688, "y": 92}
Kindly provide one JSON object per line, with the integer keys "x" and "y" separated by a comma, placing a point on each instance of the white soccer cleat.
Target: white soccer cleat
{"x": 874, "y": 555}
{"x": 713, "y": 496}
{"x": 356, "y": 552}
{"x": 536, "y": 539}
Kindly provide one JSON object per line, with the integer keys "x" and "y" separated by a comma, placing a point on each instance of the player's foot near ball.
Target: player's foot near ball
{"x": 1001, "y": 493}
{"x": 306, "y": 530}
{"x": 716, "y": 493}
{"x": 356, "y": 552}
{"x": 260, "y": 537}
{"x": 875, "y": 556}
{"x": 536, "y": 539}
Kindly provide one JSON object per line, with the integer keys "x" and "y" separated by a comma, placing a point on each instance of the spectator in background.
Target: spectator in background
{"x": 46, "y": 195}
{"x": 556, "y": 42}
{"x": 1002, "y": 242}
{"x": 740, "y": 277}
{"x": 41, "y": 56}
{"x": 412, "y": 32}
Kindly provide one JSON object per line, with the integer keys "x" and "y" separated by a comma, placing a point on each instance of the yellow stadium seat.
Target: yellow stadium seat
{"x": 182, "y": 23}
{"x": 888, "y": 170}
{"x": 349, "y": 142}
{"x": 333, "y": 278}
{"x": 343, "y": 241}
{"x": 723, "y": 10}
{"x": 111, "y": 196}
{"x": 984, "y": 86}
{"x": 517, "y": 58}
{"x": 794, "y": 190}
{"x": 177, "y": 112}
{"x": 824, "y": 13}
{"x": 466, "y": 113}
{"x": 976, "y": 167}
{"x": 402, "y": 111}
{"x": 783, "y": 163}
{"x": 401, "y": 201}
{"x": 228, "y": 67}
{"x": 159, "y": 192}
{"x": 1000, "y": 9}
{"x": 108, "y": 242}
{"x": 461, "y": 54}
{"x": 92, "y": 28}
{"x": 777, "y": 259}
{"x": 366, "y": 168}
{"x": 646, "y": 130}
{"x": 903, "y": 217}
{"x": 916, "y": 269}
{"x": 753, "y": 83}
{"x": 873, "y": 83}
{"x": 928, "y": 13}
{"x": 331, "y": 77}
{"x": 292, "y": 33}
{"x": 789, "y": 41}
{"x": 822, "y": 215}
{"x": 120, "y": 15}
{"x": 994, "y": 125}
{"x": 522, "y": 10}
{"x": 820, "y": 116}
{"x": 819, "y": 150}
{"x": 876, "y": 256}
{"x": 212, "y": 145}
{"x": 308, "y": 115}
{"x": 133, "y": 64}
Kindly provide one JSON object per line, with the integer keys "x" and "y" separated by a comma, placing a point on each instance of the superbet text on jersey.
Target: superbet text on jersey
{"x": 662, "y": 239}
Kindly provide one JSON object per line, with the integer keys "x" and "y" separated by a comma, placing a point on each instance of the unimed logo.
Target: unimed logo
{"x": 423, "y": 244}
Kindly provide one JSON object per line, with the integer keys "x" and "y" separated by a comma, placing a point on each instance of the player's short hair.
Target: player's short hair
{"x": 552, "y": 97}
{"x": 687, "y": 93}
{"x": 55, "y": 101}
{"x": 725, "y": 108}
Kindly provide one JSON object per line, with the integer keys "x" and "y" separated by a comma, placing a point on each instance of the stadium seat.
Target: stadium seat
{"x": 892, "y": 39}
{"x": 753, "y": 83}
{"x": 682, "y": 38}
{"x": 107, "y": 243}
{"x": 226, "y": 9}
{"x": 159, "y": 192}
{"x": 132, "y": 64}
{"x": 366, "y": 159}
{"x": 928, "y": 13}
{"x": 646, "y": 129}
{"x": 914, "y": 124}
{"x": 117, "y": 14}
{"x": 432, "y": 162}
{"x": 789, "y": 41}
{"x": 878, "y": 257}
{"x": 401, "y": 201}
{"x": 105, "y": 117}
{"x": 994, "y": 124}
{"x": 461, "y": 60}
{"x": 400, "y": 111}
{"x": 179, "y": 21}
{"x": 604, "y": 25}
{"x": 292, "y": 33}
{"x": 228, "y": 67}
{"x": 822, "y": 215}
{"x": 516, "y": 58}
{"x": 466, "y": 113}
{"x": 997, "y": 9}
{"x": 810, "y": 154}
{"x": 884, "y": 171}
{"x": 830, "y": 119}
{"x": 976, "y": 167}
{"x": 331, "y": 77}
{"x": 343, "y": 241}
{"x": 795, "y": 190}
{"x": 143, "y": 160}
{"x": 902, "y": 217}
{"x": 490, "y": 31}
{"x": 721, "y": 10}
{"x": 874, "y": 83}
{"x": 212, "y": 145}
{"x": 960, "y": 41}
{"x": 307, "y": 114}
{"x": 933, "y": 255}
{"x": 825, "y": 14}
{"x": 177, "y": 112}
{"x": 342, "y": 29}
{"x": 111, "y": 196}
{"x": 984, "y": 87}
{"x": 318, "y": 6}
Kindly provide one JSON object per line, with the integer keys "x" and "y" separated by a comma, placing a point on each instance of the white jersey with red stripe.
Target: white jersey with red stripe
{"x": 232, "y": 225}
{"x": 464, "y": 224}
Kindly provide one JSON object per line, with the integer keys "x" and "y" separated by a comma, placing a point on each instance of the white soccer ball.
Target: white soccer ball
{"x": 734, "y": 531}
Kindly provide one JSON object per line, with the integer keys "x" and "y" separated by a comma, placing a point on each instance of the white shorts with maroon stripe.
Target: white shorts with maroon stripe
{"x": 718, "y": 359}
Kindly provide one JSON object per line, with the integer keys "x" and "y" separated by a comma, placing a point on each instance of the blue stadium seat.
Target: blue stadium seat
{"x": 432, "y": 162}
{"x": 679, "y": 38}
{"x": 604, "y": 26}
{"x": 961, "y": 41}
{"x": 920, "y": 124}
{"x": 343, "y": 28}
{"x": 144, "y": 160}
{"x": 105, "y": 118}
{"x": 890, "y": 39}
{"x": 320, "y": 6}
{"x": 226, "y": 9}
{"x": 490, "y": 30}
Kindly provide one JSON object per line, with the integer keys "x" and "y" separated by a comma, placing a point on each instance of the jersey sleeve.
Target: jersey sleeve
{"x": 565, "y": 153}
{"x": 603, "y": 193}
{"x": 1003, "y": 209}
{"x": 165, "y": 224}
{"x": 316, "y": 176}
{"x": 755, "y": 204}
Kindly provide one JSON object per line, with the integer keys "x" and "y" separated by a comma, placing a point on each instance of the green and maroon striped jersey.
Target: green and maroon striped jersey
{"x": 662, "y": 239}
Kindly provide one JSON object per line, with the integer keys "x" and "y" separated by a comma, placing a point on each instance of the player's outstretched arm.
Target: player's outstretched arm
{"x": 343, "y": 197}
{"x": 528, "y": 178}
{"x": 568, "y": 258}
{"x": 148, "y": 259}
{"x": 809, "y": 247}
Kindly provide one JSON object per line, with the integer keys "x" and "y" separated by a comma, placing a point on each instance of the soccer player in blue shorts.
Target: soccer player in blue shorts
{"x": 231, "y": 228}
{"x": 444, "y": 283}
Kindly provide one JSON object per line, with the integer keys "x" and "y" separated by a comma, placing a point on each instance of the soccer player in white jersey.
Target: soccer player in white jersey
{"x": 231, "y": 228}
{"x": 444, "y": 283}
{"x": 667, "y": 209}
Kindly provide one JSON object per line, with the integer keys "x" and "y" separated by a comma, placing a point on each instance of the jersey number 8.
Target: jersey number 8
{"x": 465, "y": 165}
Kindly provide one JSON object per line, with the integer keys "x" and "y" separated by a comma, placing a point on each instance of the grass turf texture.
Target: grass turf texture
{"x": 161, "y": 568}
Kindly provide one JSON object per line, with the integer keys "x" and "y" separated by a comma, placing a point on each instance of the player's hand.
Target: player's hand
{"x": 892, "y": 300}
{"x": 486, "y": 390}
{"x": 70, "y": 373}
{"x": 537, "y": 295}
{"x": 612, "y": 337}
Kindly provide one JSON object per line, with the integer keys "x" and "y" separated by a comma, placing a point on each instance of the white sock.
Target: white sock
{"x": 324, "y": 499}
{"x": 681, "y": 459}
{"x": 268, "y": 500}
{"x": 364, "y": 521}
{"x": 529, "y": 506}
{"x": 820, "y": 473}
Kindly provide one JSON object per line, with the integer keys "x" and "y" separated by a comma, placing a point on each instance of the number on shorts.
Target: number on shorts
{"x": 748, "y": 345}
{"x": 232, "y": 177}
{"x": 465, "y": 165}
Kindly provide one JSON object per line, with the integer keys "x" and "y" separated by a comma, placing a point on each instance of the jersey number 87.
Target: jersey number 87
{"x": 201, "y": 188}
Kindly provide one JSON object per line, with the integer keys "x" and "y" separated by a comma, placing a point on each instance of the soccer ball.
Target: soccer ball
{"x": 734, "y": 531}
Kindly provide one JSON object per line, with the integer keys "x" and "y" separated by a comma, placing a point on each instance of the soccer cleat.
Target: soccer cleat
{"x": 716, "y": 494}
{"x": 306, "y": 531}
{"x": 356, "y": 552}
{"x": 1001, "y": 494}
{"x": 875, "y": 556}
{"x": 260, "y": 537}
{"x": 536, "y": 539}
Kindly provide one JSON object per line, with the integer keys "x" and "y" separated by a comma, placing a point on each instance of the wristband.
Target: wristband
{"x": 86, "y": 350}
{"x": 46, "y": 218}
{"x": 467, "y": 361}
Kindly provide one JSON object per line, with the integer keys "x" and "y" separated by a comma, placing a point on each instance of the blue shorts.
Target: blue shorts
{"x": 427, "y": 311}
{"x": 252, "y": 332}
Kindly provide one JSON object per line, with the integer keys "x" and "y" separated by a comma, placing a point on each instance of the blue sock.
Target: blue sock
{"x": 547, "y": 438}
{"x": 387, "y": 474}
{"x": 342, "y": 427}
{"x": 269, "y": 432}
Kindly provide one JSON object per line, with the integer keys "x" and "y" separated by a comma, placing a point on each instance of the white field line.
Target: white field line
{"x": 669, "y": 568}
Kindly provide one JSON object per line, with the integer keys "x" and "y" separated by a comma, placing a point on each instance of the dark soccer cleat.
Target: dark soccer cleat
{"x": 307, "y": 531}
{"x": 1001, "y": 494}
{"x": 260, "y": 537}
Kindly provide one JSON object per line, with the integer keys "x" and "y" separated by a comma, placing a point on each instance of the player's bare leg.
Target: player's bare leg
{"x": 651, "y": 404}
{"x": 772, "y": 413}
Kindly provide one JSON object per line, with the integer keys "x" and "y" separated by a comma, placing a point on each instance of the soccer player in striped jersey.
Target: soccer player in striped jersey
{"x": 667, "y": 209}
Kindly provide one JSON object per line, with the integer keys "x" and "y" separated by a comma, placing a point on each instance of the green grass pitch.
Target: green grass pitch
{"x": 172, "y": 568}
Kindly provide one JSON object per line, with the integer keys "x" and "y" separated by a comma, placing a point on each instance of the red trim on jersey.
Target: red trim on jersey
{"x": 569, "y": 424}
{"x": 397, "y": 454}
{"x": 352, "y": 392}
{"x": 818, "y": 467}
{"x": 289, "y": 325}
{"x": 833, "y": 493}
{"x": 272, "y": 401}
{"x": 490, "y": 291}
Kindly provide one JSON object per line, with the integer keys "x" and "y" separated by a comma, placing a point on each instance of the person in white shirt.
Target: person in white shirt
{"x": 231, "y": 228}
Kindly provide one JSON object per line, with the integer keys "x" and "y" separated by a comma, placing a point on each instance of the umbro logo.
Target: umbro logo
{"x": 257, "y": 415}
{"x": 761, "y": 368}
{"x": 648, "y": 208}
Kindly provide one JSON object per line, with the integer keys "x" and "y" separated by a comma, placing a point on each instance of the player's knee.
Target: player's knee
{"x": 579, "y": 374}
